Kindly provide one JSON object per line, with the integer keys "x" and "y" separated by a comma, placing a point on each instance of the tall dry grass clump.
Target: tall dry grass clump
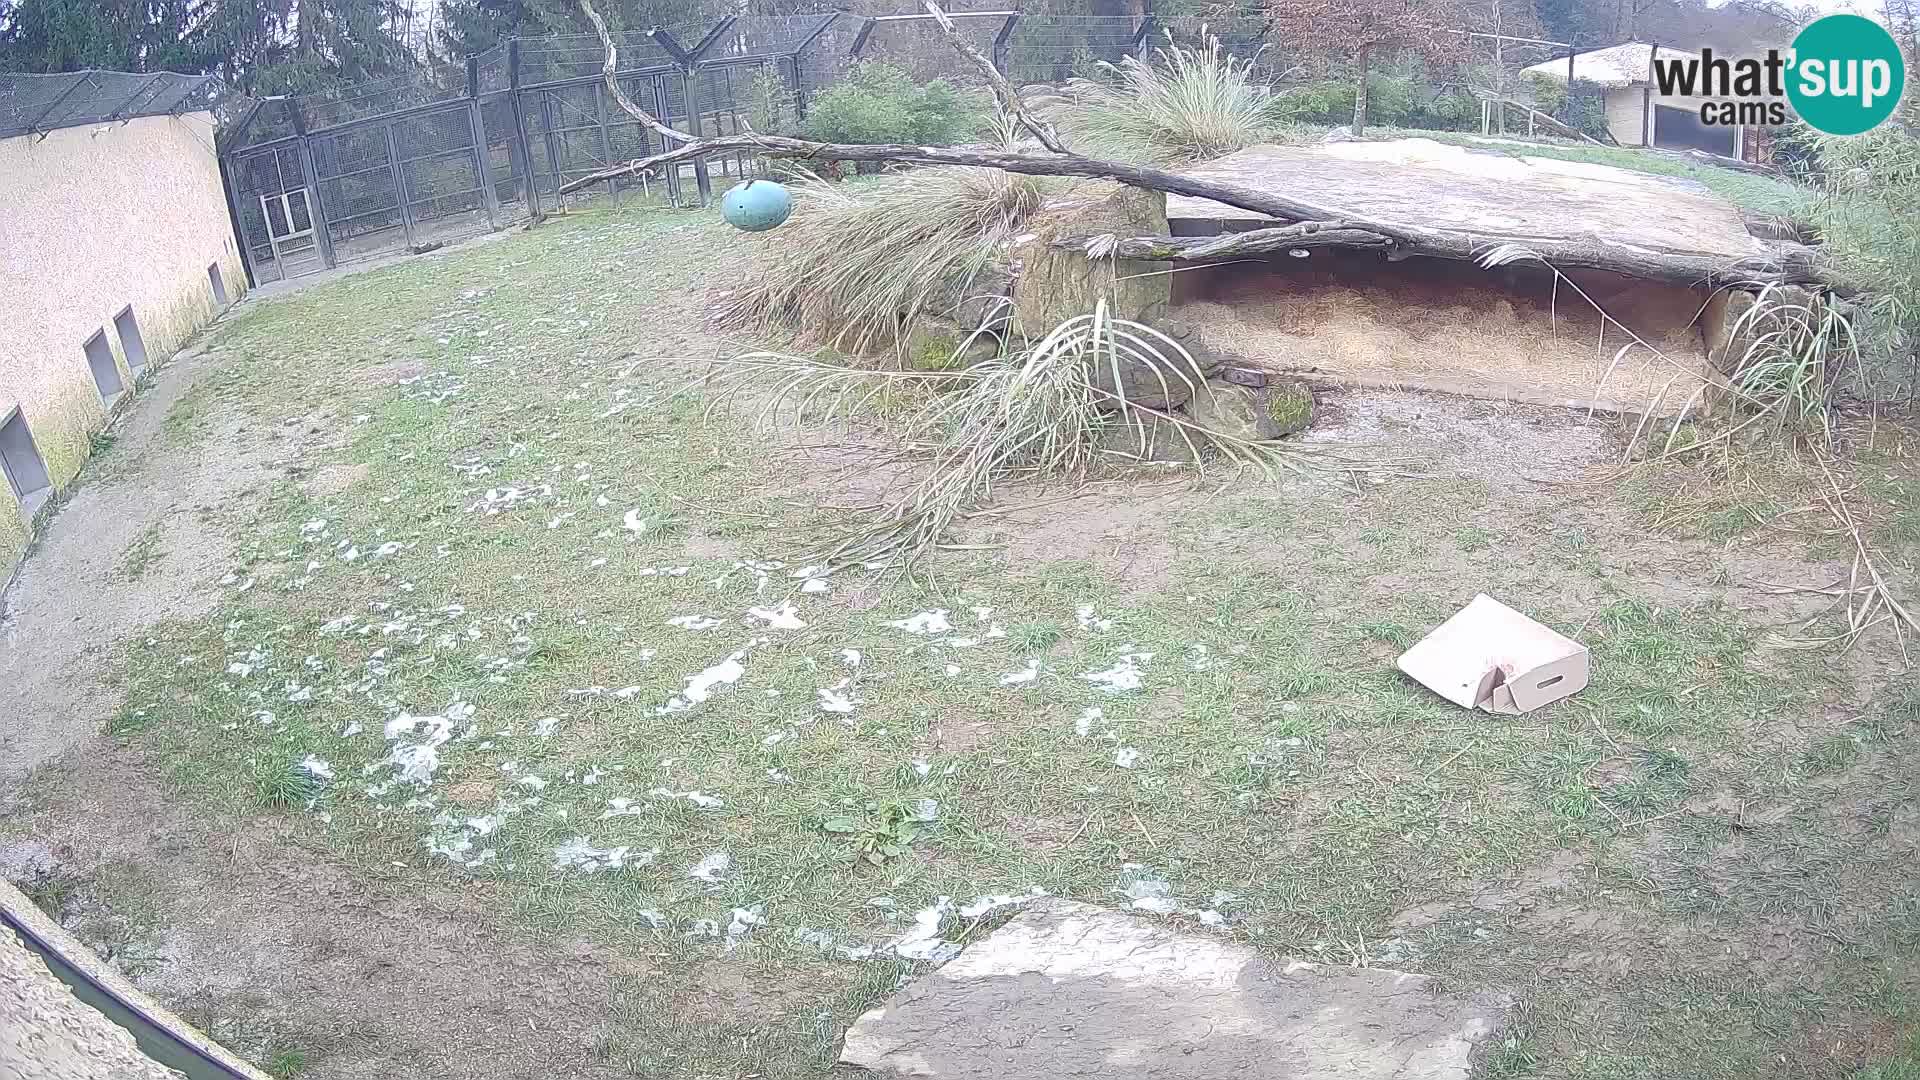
{"x": 1190, "y": 104}
{"x": 858, "y": 265}
{"x": 1037, "y": 411}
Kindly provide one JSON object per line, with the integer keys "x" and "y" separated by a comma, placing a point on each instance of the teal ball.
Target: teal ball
{"x": 756, "y": 205}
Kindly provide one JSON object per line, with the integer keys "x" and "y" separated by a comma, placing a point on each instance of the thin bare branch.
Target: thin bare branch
{"x": 1003, "y": 90}
{"x": 607, "y": 69}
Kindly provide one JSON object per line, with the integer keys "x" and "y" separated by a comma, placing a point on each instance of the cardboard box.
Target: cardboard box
{"x": 1491, "y": 657}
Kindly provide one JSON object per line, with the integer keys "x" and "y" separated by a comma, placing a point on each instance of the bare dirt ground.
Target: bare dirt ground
{"x": 260, "y": 939}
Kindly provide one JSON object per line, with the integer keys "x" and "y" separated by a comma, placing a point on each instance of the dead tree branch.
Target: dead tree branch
{"x": 1304, "y": 224}
{"x": 1794, "y": 265}
{"x": 1002, "y": 89}
{"x": 607, "y": 69}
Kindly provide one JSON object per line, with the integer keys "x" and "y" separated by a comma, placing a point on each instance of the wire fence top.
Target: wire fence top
{"x": 36, "y": 104}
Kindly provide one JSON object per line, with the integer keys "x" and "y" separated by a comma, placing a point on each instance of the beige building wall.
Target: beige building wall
{"x": 93, "y": 219}
{"x": 1624, "y": 112}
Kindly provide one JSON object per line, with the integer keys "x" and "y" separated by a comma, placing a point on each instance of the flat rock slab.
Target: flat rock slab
{"x": 1477, "y": 192}
{"x": 1072, "y": 990}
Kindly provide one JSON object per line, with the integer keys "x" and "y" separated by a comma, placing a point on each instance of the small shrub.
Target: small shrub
{"x": 880, "y": 103}
{"x": 769, "y": 103}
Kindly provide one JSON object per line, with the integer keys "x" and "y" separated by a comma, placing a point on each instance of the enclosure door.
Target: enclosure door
{"x": 1681, "y": 129}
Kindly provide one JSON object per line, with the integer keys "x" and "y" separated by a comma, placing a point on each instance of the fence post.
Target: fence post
{"x": 690, "y": 94}
{"x": 1000, "y": 42}
{"x": 1646, "y": 101}
{"x": 482, "y": 152}
{"x": 1566, "y": 106}
{"x": 230, "y": 186}
{"x": 400, "y": 187}
{"x": 528, "y": 189}
{"x": 552, "y": 142}
{"x": 310, "y": 176}
{"x": 606, "y": 136}
{"x": 672, "y": 172}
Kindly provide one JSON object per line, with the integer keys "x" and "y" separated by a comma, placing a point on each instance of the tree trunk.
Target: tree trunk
{"x": 1360, "y": 89}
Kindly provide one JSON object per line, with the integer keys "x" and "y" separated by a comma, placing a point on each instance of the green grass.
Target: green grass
{"x": 1276, "y": 766}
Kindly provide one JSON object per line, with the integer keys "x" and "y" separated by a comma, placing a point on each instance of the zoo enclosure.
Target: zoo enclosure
{"x": 419, "y": 160}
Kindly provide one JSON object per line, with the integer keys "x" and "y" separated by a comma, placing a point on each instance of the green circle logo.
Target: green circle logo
{"x": 1846, "y": 74}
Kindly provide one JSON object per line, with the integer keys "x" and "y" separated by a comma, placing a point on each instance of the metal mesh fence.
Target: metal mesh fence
{"x": 407, "y": 162}
{"x": 32, "y": 104}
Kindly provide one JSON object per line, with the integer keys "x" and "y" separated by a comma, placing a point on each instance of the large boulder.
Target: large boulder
{"x": 1253, "y": 413}
{"x": 1051, "y": 285}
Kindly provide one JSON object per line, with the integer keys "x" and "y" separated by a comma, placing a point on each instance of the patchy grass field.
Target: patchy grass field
{"x": 525, "y": 627}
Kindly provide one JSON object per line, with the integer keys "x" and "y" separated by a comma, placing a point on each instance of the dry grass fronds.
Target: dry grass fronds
{"x": 858, "y": 264}
{"x": 1863, "y": 598}
{"x": 1035, "y": 412}
{"x": 1190, "y": 105}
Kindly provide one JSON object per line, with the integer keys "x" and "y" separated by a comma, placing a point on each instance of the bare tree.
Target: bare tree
{"x": 1365, "y": 30}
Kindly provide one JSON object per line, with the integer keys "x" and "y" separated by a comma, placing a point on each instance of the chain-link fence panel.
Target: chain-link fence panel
{"x": 34, "y": 104}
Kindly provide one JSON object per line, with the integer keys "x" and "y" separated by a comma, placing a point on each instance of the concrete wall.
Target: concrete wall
{"x": 94, "y": 219}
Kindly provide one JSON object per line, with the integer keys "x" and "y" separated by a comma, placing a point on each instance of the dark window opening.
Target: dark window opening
{"x": 106, "y": 373}
{"x": 132, "y": 345}
{"x": 20, "y": 461}
{"x": 219, "y": 286}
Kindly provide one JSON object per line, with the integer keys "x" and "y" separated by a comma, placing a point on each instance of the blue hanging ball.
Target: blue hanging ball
{"x": 756, "y": 205}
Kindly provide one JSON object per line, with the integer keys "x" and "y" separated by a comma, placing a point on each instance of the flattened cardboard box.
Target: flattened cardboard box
{"x": 1491, "y": 657}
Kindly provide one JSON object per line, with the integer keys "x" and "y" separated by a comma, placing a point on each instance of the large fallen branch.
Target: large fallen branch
{"x": 1332, "y": 227}
{"x": 1793, "y": 264}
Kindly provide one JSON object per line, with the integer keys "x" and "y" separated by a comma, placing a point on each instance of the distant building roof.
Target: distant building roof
{"x": 1627, "y": 64}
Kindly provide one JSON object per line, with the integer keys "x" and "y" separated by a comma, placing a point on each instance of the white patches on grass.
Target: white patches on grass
{"x": 701, "y": 685}
{"x": 1126, "y": 757}
{"x": 994, "y": 631}
{"x": 1091, "y": 715}
{"x": 698, "y": 798}
{"x": 1023, "y": 676}
{"x": 1202, "y": 658}
{"x": 1088, "y": 621}
{"x": 545, "y": 726}
{"x": 952, "y": 670}
{"x": 712, "y": 869}
{"x": 623, "y": 808}
{"x": 500, "y": 500}
{"x": 981, "y": 614}
{"x": 838, "y": 698}
{"x": 1123, "y": 676}
{"x": 532, "y": 782}
{"x": 693, "y": 622}
{"x": 317, "y": 767}
{"x": 850, "y": 657}
{"x": 741, "y": 925}
{"x": 783, "y": 617}
{"x": 923, "y": 942}
{"x": 580, "y": 854}
{"x": 926, "y": 622}
{"x": 635, "y": 522}
{"x": 985, "y": 904}
{"x": 415, "y": 762}
{"x": 830, "y": 946}
{"x": 776, "y": 739}
{"x": 1154, "y": 896}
